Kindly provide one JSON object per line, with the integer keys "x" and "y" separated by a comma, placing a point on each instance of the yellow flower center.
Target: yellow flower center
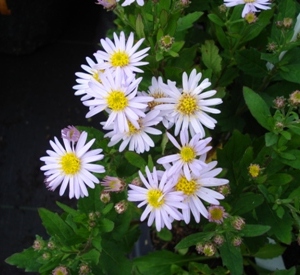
{"x": 186, "y": 186}
{"x": 119, "y": 59}
{"x": 70, "y": 164}
{"x": 132, "y": 129}
{"x": 254, "y": 170}
{"x": 216, "y": 214}
{"x": 249, "y": 1}
{"x": 187, "y": 154}
{"x": 96, "y": 75}
{"x": 117, "y": 101}
{"x": 155, "y": 198}
{"x": 187, "y": 104}
{"x": 156, "y": 94}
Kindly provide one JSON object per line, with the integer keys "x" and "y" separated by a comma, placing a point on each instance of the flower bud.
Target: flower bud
{"x": 121, "y": 206}
{"x": 224, "y": 189}
{"x": 218, "y": 240}
{"x": 38, "y": 244}
{"x": 216, "y": 213}
{"x": 105, "y": 197}
{"x": 209, "y": 249}
{"x": 250, "y": 17}
{"x": 238, "y": 223}
{"x": 84, "y": 270}
{"x": 279, "y": 102}
{"x": 51, "y": 245}
{"x": 60, "y": 270}
{"x": 272, "y": 47}
{"x": 295, "y": 98}
{"x": 287, "y": 22}
{"x": 46, "y": 256}
{"x": 113, "y": 184}
{"x": 237, "y": 241}
{"x": 70, "y": 133}
{"x": 166, "y": 42}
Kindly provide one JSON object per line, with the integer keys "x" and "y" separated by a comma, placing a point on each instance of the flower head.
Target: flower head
{"x": 122, "y": 54}
{"x": 113, "y": 184}
{"x": 254, "y": 170}
{"x": 161, "y": 201}
{"x": 70, "y": 133}
{"x": 187, "y": 157}
{"x": 138, "y": 139}
{"x": 60, "y": 270}
{"x": 107, "y": 4}
{"x": 198, "y": 189}
{"x": 188, "y": 106}
{"x": 117, "y": 95}
{"x": 70, "y": 165}
{"x": 294, "y": 98}
{"x": 250, "y": 5}
{"x": 128, "y": 2}
{"x": 216, "y": 213}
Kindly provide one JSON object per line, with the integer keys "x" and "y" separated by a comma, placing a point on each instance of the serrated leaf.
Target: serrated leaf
{"x": 258, "y": 107}
{"x": 25, "y": 259}
{"x": 58, "y": 228}
{"x": 211, "y": 57}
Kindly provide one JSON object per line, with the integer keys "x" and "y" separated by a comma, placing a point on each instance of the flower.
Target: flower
{"x": 161, "y": 201}
{"x": 186, "y": 159}
{"x": 122, "y": 54}
{"x": 92, "y": 74}
{"x": 188, "y": 106}
{"x": 198, "y": 188}
{"x": 250, "y": 5}
{"x": 107, "y": 4}
{"x": 216, "y": 213}
{"x": 60, "y": 270}
{"x": 128, "y": 2}
{"x": 117, "y": 95}
{"x": 112, "y": 184}
{"x": 254, "y": 170}
{"x": 294, "y": 98}
{"x": 72, "y": 166}
{"x": 137, "y": 138}
{"x": 70, "y": 133}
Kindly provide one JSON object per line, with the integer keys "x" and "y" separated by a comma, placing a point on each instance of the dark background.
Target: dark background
{"x": 42, "y": 45}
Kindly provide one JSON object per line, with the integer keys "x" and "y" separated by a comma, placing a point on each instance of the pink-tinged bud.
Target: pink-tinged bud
{"x": 137, "y": 181}
{"x": 46, "y": 256}
{"x": 279, "y": 102}
{"x": 70, "y": 133}
{"x": 166, "y": 42}
{"x": 287, "y": 22}
{"x": 112, "y": 184}
{"x": 224, "y": 190}
{"x": 105, "y": 197}
{"x": 209, "y": 249}
{"x": 237, "y": 241}
{"x": 121, "y": 206}
{"x": 60, "y": 270}
{"x": 199, "y": 248}
{"x": 107, "y": 4}
{"x": 51, "y": 245}
{"x": 216, "y": 213}
{"x": 218, "y": 240}
{"x": 295, "y": 98}
{"x": 38, "y": 244}
{"x": 238, "y": 223}
{"x": 84, "y": 270}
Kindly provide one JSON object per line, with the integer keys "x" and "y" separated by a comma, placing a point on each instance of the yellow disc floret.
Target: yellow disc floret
{"x": 70, "y": 164}
{"x": 155, "y": 198}
{"x": 187, "y": 153}
{"x": 187, "y": 104}
{"x": 119, "y": 59}
{"x": 249, "y": 1}
{"x": 117, "y": 101}
{"x": 188, "y": 187}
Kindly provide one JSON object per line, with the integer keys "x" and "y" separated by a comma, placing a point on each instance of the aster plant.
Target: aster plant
{"x": 198, "y": 144}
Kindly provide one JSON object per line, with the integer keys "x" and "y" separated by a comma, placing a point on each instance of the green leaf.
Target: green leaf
{"x": 58, "y": 228}
{"x": 67, "y": 208}
{"x": 96, "y": 242}
{"x": 139, "y": 26}
{"x": 158, "y": 262}
{"x": 294, "y": 161}
{"x": 279, "y": 179}
{"x": 210, "y": 56}
{"x": 258, "y": 107}
{"x": 188, "y": 20}
{"x": 194, "y": 239}
{"x": 135, "y": 159}
{"x": 106, "y": 225}
{"x": 254, "y": 230}
{"x": 92, "y": 256}
{"x": 165, "y": 235}
{"x": 232, "y": 258}
{"x": 290, "y": 70}
{"x": 246, "y": 202}
{"x": 270, "y": 251}
{"x": 248, "y": 60}
{"x": 216, "y": 19}
{"x": 270, "y": 139}
{"x": 25, "y": 259}
{"x": 291, "y": 271}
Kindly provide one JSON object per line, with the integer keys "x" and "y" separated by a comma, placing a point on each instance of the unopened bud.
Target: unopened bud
{"x": 209, "y": 249}
{"x": 60, "y": 270}
{"x": 137, "y": 182}
{"x": 166, "y": 42}
{"x": 295, "y": 98}
{"x": 105, "y": 197}
{"x": 238, "y": 223}
{"x": 84, "y": 270}
{"x": 46, "y": 256}
{"x": 250, "y": 17}
{"x": 113, "y": 184}
{"x": 218, "y": 240}
{"x": 237, "y": 241}
{"x": 224, "y": 190}
{"x": 121, "y": 206}
{"x": 279, "y": 102}
{"x": 38, "y": 244}
{"x": 51, "y": 245}
{"x": 272, "y": 47}
{"x": 287, "y": 22}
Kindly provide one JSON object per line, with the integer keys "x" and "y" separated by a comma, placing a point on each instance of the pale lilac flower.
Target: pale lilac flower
{"x": 189, "y": 106}
{"x": 107, "y": 4}
{"x": 250, "y": 5}
{"x": 128, "y": 2}
{"x": 198, "y": 189}
{"x": 187, "y": 157}
{"x": 113, "y": 184}
{"x": 71, "y": 165}
{"x": 137, "y": 139}
{"x": 116, "y": 94}
{"x": 216, "y": 213}
{"x": 161, "y": 201}
{"x": 122, "y": 54}
{"x": 70, "y": 133}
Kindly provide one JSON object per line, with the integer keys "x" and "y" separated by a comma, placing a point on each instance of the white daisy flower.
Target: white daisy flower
{"x": 161, "y": 201}
{"x": 137, "y": 138}
{"x": 122, "y": 54}
{"x": 198, "y": 188}
{"x": 117, "y": 95}
{"x": 128, "y": 2}
{"x": 250, "y": 5}
{"x": 71, "y": 166}
{"x": 186, "y": 159}
{"x": 92, "y": 73}
{"x": 188, "y": 106}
